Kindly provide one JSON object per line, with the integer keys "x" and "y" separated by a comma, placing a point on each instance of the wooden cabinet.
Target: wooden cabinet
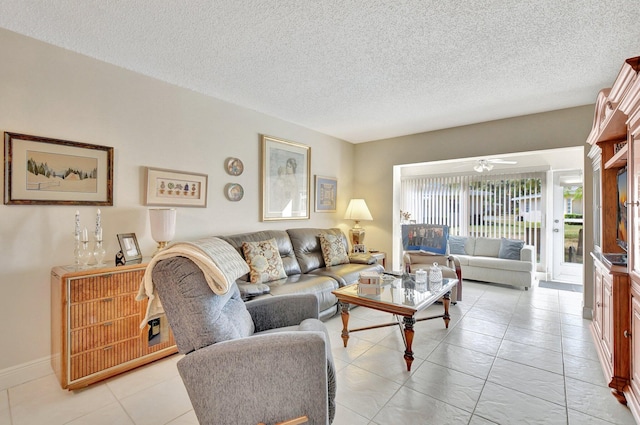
{"x": 95, "y": 320}
{"x": 610, "y": 325}
{"x": 615, "y": 139}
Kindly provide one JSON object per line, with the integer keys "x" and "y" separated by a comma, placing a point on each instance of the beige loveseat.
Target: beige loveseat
{"x": 495, "y": 260}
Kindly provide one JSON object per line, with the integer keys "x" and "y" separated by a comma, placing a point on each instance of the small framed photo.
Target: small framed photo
{"x": 129, "y": 247}
{"x": 175, "y": 188}
{"x": 359, "y": 248}
{"x": 326, "y": 194}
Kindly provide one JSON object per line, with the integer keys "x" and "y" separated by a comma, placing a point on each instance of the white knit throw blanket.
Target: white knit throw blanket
{"x": 220, "y": 263}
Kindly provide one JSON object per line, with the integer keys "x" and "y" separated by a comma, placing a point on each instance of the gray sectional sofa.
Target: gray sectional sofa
{"x": 304, "y": 265}
{"x": 495, "y": 260}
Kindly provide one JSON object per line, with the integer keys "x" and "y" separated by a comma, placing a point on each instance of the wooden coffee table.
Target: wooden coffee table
{"x": 399, "y": 301}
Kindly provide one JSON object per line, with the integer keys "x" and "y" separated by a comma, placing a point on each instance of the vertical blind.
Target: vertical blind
{"x": 507, "y": 205}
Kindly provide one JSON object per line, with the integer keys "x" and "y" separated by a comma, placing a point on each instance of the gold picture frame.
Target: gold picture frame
{"x": 286, "y": 179}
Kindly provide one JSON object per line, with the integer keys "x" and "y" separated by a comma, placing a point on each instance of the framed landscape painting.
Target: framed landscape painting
{"x": 41, "y": 170}
{"x": 285, "y": 179}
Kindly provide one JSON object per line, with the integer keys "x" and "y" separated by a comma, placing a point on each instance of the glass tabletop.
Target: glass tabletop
{"x": 395, "y": 293}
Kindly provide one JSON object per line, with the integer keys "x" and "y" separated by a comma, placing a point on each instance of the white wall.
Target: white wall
{"x": 48, "y": 91}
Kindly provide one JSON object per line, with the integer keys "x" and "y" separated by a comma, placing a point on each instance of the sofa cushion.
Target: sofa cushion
{"x": 334, "y": 251}
{"x": 264, "y": 261}
{"x": 289, "y": 261}
{"x": 306, "y": 245}
{"x": 510, "y": 249}
{"x": 456, "y": 245}
{"x": 487, "y": 247}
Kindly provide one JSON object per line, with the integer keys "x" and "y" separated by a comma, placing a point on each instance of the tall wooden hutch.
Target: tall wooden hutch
{"x": 615, "y": 144}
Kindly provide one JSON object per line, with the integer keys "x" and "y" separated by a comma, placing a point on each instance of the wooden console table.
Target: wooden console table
{"x": 95, "y": 322}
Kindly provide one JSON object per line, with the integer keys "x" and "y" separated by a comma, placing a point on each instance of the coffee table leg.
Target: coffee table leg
{"x": 446, "y": 302}
{"x": 408, "y": 337}
{"x": 345, "y": 322}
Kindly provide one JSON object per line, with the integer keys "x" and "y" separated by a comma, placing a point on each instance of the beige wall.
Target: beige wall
{"x": 375, "y": 161}
{"x": 48, "y": 91}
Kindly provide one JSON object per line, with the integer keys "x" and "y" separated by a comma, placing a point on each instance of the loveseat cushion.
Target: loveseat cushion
{"x": 487, "y": 247}
{"x": 510, "y": 249}
{"x": 498, "y": 263}
{"x": 456, "y": 245}
{"x": 264, "y": 261}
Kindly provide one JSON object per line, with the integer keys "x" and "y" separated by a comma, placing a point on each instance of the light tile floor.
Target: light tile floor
{"x": 509, "y": 357}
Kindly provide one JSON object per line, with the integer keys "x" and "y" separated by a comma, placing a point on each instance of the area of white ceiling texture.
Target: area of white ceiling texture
{"x": 358, "y": 70}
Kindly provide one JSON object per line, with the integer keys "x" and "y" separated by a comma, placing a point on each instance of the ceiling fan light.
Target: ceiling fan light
{"x": 488, "y": 167}
{"x": 478, "y": 168}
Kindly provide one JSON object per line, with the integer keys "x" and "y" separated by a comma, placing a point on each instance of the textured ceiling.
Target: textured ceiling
{"x": 358, "y": 70}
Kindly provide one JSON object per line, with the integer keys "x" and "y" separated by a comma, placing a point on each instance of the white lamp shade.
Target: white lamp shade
{"x": 163, "y": 224}
{"x": 357, "y": 210}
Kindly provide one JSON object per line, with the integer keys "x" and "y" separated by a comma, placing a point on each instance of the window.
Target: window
{"x": 494, "y": 206}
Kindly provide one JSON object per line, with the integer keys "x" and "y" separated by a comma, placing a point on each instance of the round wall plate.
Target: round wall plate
{"x": 234, "y": 191}
{"x": 234, "y": 166}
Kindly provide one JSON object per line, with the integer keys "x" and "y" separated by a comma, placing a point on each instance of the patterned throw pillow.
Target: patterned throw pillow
{"x": 264, "y": 261}
{"x": 333, "y": 250}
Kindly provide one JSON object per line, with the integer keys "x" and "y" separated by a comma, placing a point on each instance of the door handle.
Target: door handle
{"x": 556, "y": 230}
{"x": 627, "y": 334}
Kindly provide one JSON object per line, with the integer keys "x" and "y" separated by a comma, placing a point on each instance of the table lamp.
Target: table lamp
{"x": 163, "y": 226}
{"x": 357, "y": 210}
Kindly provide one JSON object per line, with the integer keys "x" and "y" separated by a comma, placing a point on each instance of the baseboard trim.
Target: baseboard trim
{"x": 25, "y": 372}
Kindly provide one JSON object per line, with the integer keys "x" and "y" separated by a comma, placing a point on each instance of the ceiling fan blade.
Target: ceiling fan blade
{"x": 501, "y": 161}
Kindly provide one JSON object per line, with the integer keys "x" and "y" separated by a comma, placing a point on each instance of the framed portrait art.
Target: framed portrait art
{"x": 326, "y": 194}
{"x": 285, "y": 179}
{"x": 41, "y": 170}
{"x": 175, "y": 188}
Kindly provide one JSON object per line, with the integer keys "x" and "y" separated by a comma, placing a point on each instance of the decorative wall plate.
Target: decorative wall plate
{"x": 234, "y": 166}
{"x": 234, "y": 191}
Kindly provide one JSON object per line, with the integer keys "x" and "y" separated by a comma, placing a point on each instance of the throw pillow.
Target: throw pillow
{"x": 456, "y": 245}
{"x": 333, "y": 250}
{"x": 264, "y": 261}
{"x": 510, "y": 249}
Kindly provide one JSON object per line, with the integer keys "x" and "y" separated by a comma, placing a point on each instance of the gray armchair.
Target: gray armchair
{"x": 267, "y": 360}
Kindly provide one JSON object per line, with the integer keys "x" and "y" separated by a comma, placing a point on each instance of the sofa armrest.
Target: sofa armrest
{"x": 281, "y": 311}
{"x": 264, "y": 378}
{"x": 528, "y": 253}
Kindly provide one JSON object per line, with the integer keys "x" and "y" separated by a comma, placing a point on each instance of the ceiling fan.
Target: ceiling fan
{"x": 488, "y": 164}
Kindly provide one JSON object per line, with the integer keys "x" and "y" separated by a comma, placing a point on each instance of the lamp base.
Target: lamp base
{"x": 161, "y": 247}
{"x": 357, "y": 236}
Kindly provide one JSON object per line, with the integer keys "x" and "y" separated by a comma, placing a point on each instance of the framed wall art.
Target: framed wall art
{"x": 41, "y": 170}
{"x": 285, "y": 179}
{"x": 129, "y": 247}
{"x": 326, "y": 194}
{"x": 175, "y": 188}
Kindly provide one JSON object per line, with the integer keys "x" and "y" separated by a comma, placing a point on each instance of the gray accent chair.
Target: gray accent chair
{"x": 266, "y": 360}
